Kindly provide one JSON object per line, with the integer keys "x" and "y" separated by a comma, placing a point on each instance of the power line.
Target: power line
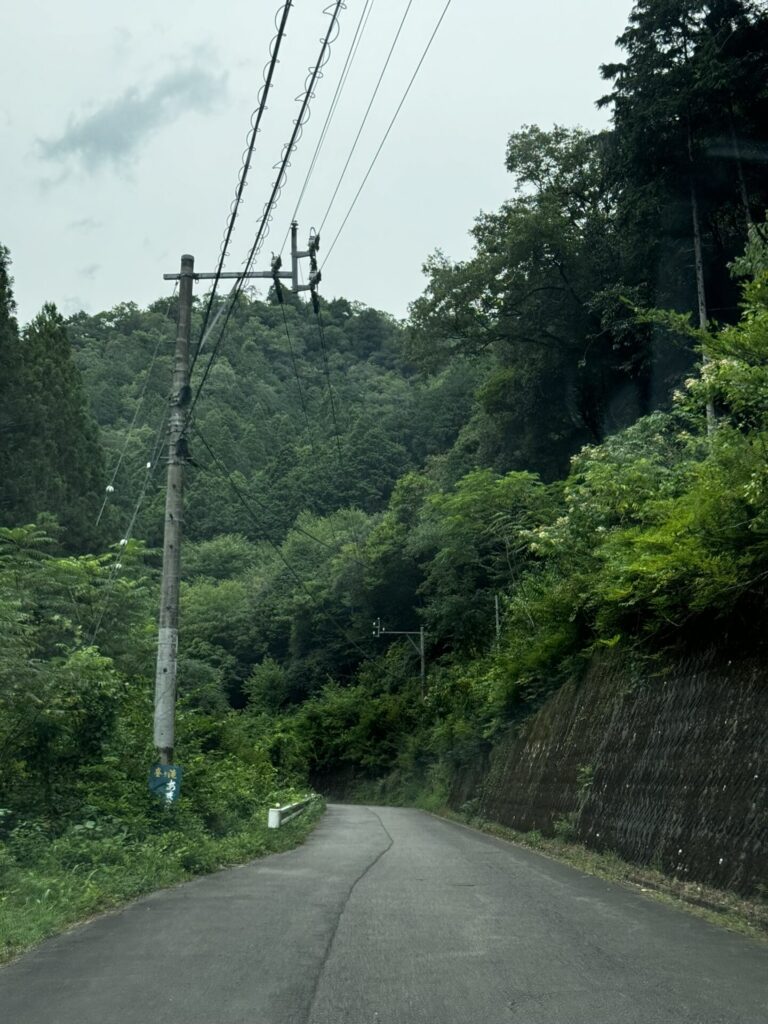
{"x": 149, "y": 472}
{"x": 284, "y": 163}
{"x": 365, "y": 115}
{"x": 297, "y": 375}
{"x": 389, "y": 129}
{"x": 315, "y": 305}
{"x": 266, "y": 217}
{"x": 274, "y": 50}
{"x": 323, "y": 347}
{"x": 321, "y": 335}
{"x": 314, "y": 280}
{"x": 139, "y": 403}
{"x": 351, "y": 54}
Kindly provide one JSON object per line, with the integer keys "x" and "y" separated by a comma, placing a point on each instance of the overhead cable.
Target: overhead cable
{"x": 139, "y": 402}
{"x": 351, "y": 54}
{"x": 386, "y": 133}
{"x": 297, "y": 375}
{"x": 117, "y": 565}
{"x": 365, "y": 115}
{"x": 326, "y": 365}
{"x": 314, "y": 75}
{"x": 283, "y": 164}
{"x": 269, "y": 70}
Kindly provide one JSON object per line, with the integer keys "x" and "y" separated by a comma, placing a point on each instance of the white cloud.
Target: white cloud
{"x": 116, "y": 132}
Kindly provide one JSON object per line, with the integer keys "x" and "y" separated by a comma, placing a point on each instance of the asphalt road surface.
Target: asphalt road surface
{"x": 389, "y": 916}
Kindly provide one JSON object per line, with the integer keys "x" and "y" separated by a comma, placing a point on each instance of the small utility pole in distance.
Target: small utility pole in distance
{"x": 168, "y": 630}
{"x": 378, "y": 631}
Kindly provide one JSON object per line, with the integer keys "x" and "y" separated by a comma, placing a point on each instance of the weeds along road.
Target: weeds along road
{"x": 389, "y": 916}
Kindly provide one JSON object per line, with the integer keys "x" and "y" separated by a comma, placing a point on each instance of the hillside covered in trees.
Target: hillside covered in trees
{"x": 571, "y": 426}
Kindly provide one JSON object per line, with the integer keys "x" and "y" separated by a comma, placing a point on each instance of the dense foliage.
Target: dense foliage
{"x": 50, "y": 459}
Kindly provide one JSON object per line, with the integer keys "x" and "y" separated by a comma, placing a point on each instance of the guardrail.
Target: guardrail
{"x": 278, "y": 816}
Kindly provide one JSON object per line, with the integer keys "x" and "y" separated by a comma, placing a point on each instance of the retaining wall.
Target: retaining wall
{"x": 667, "y": 769}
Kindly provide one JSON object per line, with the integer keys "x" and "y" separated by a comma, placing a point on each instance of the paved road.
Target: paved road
{"x": 391, "y": 916}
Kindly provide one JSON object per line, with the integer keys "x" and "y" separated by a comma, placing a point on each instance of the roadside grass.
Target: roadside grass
{"x": 726, "y": 909}
{"x": 81, "y": 874}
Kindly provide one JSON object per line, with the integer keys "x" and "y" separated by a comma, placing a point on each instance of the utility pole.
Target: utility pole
{"x": 498, "y": 616}
{"x": 698, "y": 259}
{"x": 423, "y": 663}
{"x": 178, "y": 456}
{"x": 168, "y": 629}
{"x": 378, "y": 631}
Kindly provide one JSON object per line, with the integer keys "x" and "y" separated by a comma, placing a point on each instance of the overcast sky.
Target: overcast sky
{"x": 122, "y": 128}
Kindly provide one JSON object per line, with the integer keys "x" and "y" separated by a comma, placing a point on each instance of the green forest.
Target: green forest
{"x": 562, "y": 449}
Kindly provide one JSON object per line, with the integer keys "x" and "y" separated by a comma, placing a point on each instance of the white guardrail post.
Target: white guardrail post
{"x": 278, "y": 816}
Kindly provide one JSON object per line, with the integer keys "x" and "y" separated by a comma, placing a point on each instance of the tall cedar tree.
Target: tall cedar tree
{"x": 689, "y": 113}
{"x": 11, "y": 404}
{"x": 50, "y": 463}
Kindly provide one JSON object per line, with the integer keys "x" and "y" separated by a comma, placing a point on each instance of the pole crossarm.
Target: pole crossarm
{"x": 410, "y": 633}
{"x": 291, "y": 275}
{"x": 229, "y": 275}
{"x": 379, "y": 631}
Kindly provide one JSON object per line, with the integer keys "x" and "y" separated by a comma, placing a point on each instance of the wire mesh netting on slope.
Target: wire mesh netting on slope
{"x": 667, "y": 770}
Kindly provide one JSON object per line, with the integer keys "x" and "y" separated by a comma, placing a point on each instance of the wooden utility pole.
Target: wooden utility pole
{"x": 168, "y": 629}
{"x": 180, "y": 400}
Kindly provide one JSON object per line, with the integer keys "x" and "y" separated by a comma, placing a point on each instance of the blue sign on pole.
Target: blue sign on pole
{"x": 165, "y": 781}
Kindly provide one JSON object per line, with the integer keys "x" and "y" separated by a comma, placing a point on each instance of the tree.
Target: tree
{"x": 56, "y": 463}
{"x": 542, "y": 298}
{"x": 10, "y": 391}
{"x": 470, "y": 543}
{"x": 693, "y": 83}
{"x": 50, "y": 459}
